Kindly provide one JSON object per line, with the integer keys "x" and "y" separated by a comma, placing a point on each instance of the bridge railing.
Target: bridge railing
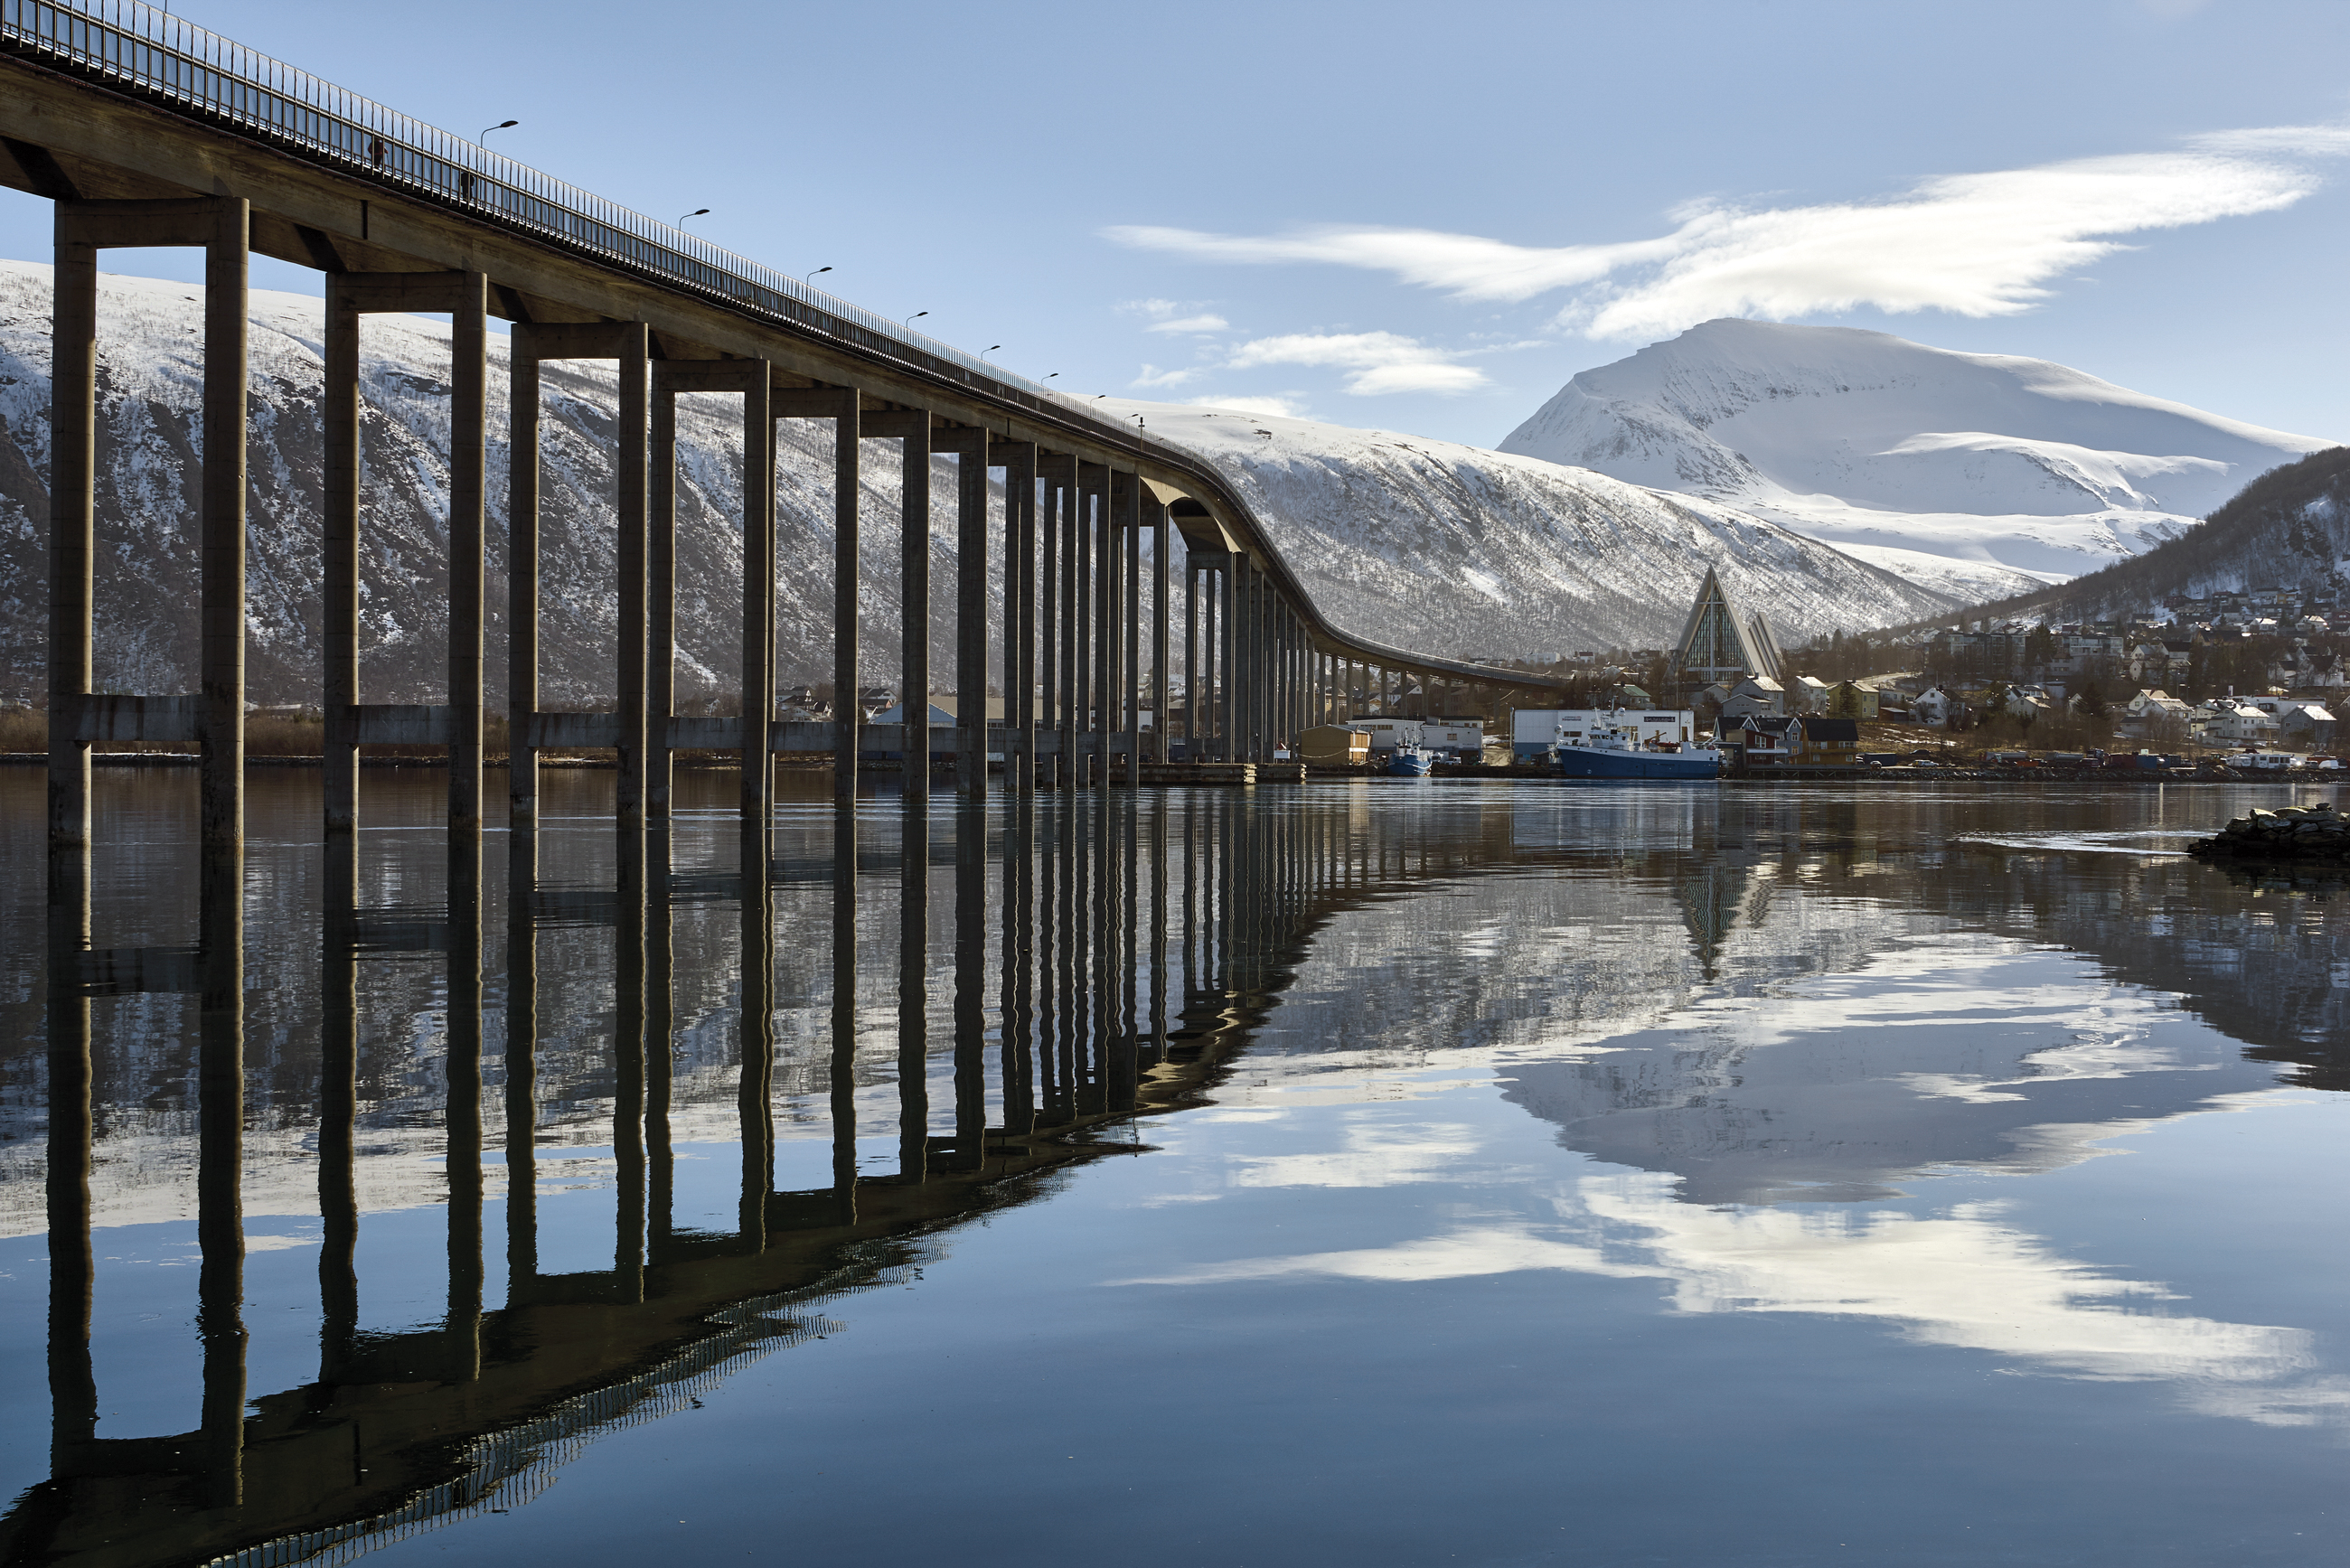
{"x": 145, "y": 49}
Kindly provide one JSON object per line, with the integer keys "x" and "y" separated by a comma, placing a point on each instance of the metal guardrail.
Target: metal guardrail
{"x": 148, "y": 50}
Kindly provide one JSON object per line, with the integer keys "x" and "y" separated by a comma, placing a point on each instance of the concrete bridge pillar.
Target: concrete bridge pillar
{"x": 464, "y": 296}
{"x": 664, "y": 731}
{"x": 214, "y": 717}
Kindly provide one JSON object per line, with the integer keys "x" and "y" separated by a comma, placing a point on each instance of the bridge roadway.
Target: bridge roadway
{"x": 146, "y": 130}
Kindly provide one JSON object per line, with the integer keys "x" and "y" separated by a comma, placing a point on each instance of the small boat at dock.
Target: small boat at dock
{"x": 1411, "y": 761}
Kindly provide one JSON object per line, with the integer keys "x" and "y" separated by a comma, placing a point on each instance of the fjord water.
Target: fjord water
{"x": 1360, "y": 1172}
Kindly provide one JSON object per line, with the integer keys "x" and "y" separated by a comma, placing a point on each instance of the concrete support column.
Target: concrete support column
{"x": 1073, "y": 629}
{"x": 843, "y": 406}
{"x": 660, "y": 611}
{"x": 339, "y": 412}
{"x": 1228, "y": 648}
{"x": 970, "y": 447}
{"x": 846, "y": 712}
{"x": 914, "y": 598}
{"x": 1018, "y": 460}
{"x": 1192, "y": 629}
{"x": 469, "y": 385}
{"x": 1162, "y": 721}
{"x": 631, "y": 506}
{"x": 1048, "y": 611}
{"x": 73, "y": 516}
{"x": 1129, "y": 685}
{"x": 758, "y": 605}
{"x": 222, "y": 726}
{"x": 522, "y": 582}
{"x": 1094, "y": 644}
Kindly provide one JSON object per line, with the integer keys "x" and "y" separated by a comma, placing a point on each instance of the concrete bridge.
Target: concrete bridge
{"x": 146, "y": 130}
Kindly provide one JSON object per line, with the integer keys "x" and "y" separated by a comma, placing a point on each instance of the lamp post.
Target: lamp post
{"x": 697, "y": 212}
{"x": 916, "y": 317}
{"x": 501, "y": 125}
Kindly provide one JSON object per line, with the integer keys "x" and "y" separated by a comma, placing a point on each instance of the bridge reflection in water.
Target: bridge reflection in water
{"x": 661, "y": 1097}
{"x": 1067, "y": 960}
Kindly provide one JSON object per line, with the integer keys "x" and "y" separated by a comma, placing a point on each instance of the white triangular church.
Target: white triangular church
{"x": 1719, "y": 645}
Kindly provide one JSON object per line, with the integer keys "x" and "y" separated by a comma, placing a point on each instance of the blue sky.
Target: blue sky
{"x": 1427, "y": 218}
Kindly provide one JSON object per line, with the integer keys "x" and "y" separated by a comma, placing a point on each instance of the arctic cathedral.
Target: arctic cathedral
{"x": 1718, "y": 645}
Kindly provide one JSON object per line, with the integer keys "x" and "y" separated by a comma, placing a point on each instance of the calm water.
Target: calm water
{"x": 1367, "y": 1173}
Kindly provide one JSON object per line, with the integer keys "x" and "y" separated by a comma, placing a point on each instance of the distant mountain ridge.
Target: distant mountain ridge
{"x": 1443, "y": 549}
{"x": 1456, "y": 550}
{"x": 2290, "y": 529}
{"x": 1972, "y": 473}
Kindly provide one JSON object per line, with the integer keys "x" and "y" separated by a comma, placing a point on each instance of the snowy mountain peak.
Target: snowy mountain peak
{"x": 1897, "y": 451}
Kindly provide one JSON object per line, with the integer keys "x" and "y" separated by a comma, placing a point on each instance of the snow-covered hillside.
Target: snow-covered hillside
{"x": 1441, "y": 548}
{"x": 1457, "y": 550}
{"x": 149, "y": 446}
{"x": 1963, "y": 470}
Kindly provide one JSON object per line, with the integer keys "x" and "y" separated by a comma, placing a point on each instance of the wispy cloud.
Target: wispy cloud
{"x": 1980, "y": 245}
{"x": 1152, "y": 376}
{"x": 1178, "y": 316}
{"x": 1377, "y": 362}
{"x": 1280, "y": 408}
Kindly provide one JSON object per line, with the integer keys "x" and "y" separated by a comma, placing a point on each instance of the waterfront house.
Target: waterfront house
{"x": 1807, "y": 694}
{"x": 1755, "y": 694}
{"x": 2027, "y": 702}
{"x": 1801, "y": 739}
{"x": 1757, "y": 740}
{"x": 2306, "y": 725}
{"x": 1853, "y": 700}
{"x": 1826, "y": 743}
{"x": 2224, "y": 722}
{"x": 2153, "y": 712}
{"x": 1933, "y": 706}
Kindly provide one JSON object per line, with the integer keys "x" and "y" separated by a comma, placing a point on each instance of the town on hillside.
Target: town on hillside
{"x": 2245, "y": 678}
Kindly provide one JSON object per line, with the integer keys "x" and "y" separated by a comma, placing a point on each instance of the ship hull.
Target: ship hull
{"x": 1574, "y": 763}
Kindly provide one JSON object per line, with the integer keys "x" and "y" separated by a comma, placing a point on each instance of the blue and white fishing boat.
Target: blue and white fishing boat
{"x": 1616, "y": 753}
{"x": 1411, "y": 761}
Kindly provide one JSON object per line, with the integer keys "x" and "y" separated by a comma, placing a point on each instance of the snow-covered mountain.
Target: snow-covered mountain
{"x": 1441, "y": 548}
{"x": 1965, "y": 472}
{"x": 1459, "y": 551}
{"x": 150, "y": 445}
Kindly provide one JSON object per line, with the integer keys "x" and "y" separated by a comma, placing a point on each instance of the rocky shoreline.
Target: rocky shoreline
{"x": 2296, "y": 833}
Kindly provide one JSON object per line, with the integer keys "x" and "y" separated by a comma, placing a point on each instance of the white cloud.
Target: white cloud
{"x": 1378, "y": 363}
{"x": 1463, "y": 1254}
{"x": 1287, "y": 407}
{"x": 1963, "y": 1278}
{"x": 1978, "y": 244}
{"x": 1375, "y": 1155}
{"x": 1175, "y": 315}
{"x": 1152, "y": 376}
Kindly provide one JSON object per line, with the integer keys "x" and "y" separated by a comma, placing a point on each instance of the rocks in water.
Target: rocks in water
{"x": 2298, "y": 832}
